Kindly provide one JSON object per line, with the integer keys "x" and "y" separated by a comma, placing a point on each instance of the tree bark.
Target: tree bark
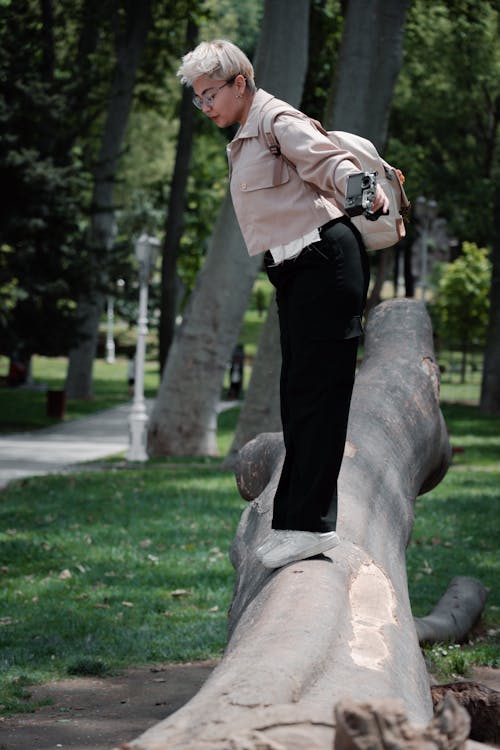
{"x": 184, "y": 420}
{"x": 370, "y": 58}
{"x": 261, "y": 408}
{"x": 337, "y": 627}
{"x": 455, "y": 614}
{"x": 175, "y": 218}
{"x": 130, "y": 45}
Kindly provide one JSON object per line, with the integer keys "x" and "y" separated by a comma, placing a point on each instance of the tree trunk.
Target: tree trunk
{"x": 130, "y": 45}
{"x": 490, "y": 388}
{"x": 184, "y": 418}
{"x": 370, "y": 58}
{"x": 337, "y": 627}
{"x": 261, "y": 408}
{"x": 175, "y": 218}
{"x": 372, "y": 45}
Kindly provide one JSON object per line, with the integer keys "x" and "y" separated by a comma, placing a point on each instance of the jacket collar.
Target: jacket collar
{"x": 251, "y": 127}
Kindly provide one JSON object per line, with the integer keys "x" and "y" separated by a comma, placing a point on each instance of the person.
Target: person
{"x": 236, "y": 372}
{"x": 316, "y": 260}
{"x": 131, "y": 372}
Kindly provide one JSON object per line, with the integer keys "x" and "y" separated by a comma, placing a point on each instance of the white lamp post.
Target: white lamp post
{"x": 425, "y": 213}
{"x": 145, "y": 250}
{"x": 110, "y": 342}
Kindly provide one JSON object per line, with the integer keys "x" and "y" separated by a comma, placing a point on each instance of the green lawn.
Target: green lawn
{"x": 125, "y": 566}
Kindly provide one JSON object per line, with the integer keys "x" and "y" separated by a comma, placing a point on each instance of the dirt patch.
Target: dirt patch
{"x": 93, "y": 713}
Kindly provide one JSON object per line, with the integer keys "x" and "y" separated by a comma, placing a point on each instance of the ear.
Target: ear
{"x": 241, "y": 83}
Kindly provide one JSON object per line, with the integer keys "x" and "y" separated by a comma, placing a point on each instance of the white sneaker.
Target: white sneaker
{"x": 291, "y": 546}
{"x": 270, "y": 541}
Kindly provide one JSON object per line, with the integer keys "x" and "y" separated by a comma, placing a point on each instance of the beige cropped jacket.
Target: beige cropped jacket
{"x": 304, "y": 198}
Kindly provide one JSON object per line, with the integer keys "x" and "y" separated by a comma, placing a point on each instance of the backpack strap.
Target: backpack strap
{"x": 267, "y": 124}
{"x": 271, "y": 140}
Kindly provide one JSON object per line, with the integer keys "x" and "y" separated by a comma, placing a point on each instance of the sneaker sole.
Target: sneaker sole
{"x": 315, "y": 549}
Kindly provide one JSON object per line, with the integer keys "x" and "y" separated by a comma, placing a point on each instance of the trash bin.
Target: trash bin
{"x": 56, "y": 404}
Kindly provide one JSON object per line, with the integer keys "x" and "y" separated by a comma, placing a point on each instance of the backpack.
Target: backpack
{"x": 389, "y": 228}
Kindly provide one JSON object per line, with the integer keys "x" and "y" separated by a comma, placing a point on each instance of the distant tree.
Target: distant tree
{"x": 460, "y": 309}
{"x": 130, "y": 30}
{"x": 43, "y": 178}
{"x": 445, "y": 117}
{"x": 175, "y": 214}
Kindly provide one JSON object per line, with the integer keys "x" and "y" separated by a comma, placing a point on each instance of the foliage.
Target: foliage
{"x": 445, "y": 119}
{"x": 42, "y": 171}
{"x": 460, "y": 308}
{"x": 325, "y": 32}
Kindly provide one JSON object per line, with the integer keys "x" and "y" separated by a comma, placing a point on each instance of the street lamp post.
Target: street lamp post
{"x": 145, "y": 250}
{"x": 110, "y": 342}
{"x": 425, "y": 214}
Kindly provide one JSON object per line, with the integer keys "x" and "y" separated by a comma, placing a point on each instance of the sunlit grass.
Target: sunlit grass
{"x": 114, "y": 568}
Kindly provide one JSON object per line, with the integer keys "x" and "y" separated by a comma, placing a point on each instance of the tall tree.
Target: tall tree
{"x": 176, "y": 206}
{"x": 446, "y": 122}
{"x": 369, "y": 62}
{"x": 370, "y": 28}
{"x": 41, "y": 264}
{"x": 130, "y": 30}
{"x": 183, "y": 421}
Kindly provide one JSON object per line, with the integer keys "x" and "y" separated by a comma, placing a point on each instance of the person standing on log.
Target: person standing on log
{"x": 290, "y": 207}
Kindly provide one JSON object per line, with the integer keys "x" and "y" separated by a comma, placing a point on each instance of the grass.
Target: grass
{"x": 457, "y": 532}
{"x": 108, "y": 569}
{"x": 25, "y": 408}
{"x": 102, "y": 570}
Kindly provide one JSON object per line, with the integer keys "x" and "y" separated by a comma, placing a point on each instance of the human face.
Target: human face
{"x": 222, "y": 101}
{"x": 208, "y": 96}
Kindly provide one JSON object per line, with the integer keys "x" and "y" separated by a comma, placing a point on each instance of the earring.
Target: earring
{"x": 238, "y": 96}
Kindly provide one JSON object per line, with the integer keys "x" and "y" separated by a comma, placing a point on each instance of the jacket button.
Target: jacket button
{"x": 243, "y": 186}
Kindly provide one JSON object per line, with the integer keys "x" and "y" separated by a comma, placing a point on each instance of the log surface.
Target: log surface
{"x": 339, "y": 626}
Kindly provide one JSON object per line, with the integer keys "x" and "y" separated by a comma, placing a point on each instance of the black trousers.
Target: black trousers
{"x": 320, "y": 295}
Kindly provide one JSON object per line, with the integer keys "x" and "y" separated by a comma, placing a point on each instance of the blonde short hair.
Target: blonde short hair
{"x": 219, "y": 59}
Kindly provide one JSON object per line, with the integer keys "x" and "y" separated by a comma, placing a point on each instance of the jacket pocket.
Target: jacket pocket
{"x": 258, "y": 177}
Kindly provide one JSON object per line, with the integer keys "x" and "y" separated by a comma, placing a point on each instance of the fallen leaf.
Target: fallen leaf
{"x": 180, "y": 592}
{"x": 64, "y": 574}
{"x": 127, "y": 604}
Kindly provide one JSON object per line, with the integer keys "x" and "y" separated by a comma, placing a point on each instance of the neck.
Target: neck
{"x": 247, "y": 103}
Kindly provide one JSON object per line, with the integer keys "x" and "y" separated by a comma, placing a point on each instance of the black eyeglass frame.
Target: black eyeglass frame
{"x": 208, "y": 99}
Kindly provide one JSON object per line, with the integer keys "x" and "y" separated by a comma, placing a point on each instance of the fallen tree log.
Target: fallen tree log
{"x": 455, "y": 613}
{"x": 337, "y": 627}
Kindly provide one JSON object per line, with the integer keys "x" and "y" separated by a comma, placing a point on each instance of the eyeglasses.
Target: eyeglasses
{"x": 208, "y": 99}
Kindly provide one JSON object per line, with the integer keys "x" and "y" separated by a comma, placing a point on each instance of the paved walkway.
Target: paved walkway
{"x": 55, "y": 448}
{"x": 61, "y": 446}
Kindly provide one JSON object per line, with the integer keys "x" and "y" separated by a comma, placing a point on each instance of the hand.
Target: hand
{"x": 381, "y": 201}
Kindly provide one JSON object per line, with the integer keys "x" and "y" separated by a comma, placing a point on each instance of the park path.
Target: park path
{"x": 62, "y": 446}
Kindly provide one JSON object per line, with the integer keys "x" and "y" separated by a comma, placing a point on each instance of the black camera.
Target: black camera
{"x": 360, "y": 195}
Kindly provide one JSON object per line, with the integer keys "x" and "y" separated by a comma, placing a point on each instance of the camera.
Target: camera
{"x": 360, "y": 195}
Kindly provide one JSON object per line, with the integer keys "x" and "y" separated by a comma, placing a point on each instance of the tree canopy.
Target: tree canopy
{"x": 56, "y": 64}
